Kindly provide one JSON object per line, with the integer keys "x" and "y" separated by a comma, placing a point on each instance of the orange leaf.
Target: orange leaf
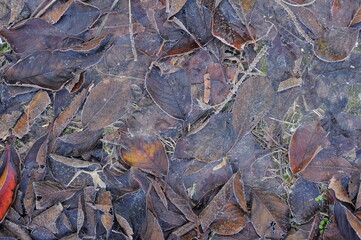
{"x": 146, "y": 153}
{"x": 8, "y": 180}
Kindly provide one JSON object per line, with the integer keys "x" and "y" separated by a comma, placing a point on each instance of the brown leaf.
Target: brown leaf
{"x": 306, "y": 142}
{"x": 7, "y": 121}
{"x": 269, "y": 214}
{"x": 9, "y": 178}
{"x": 49, "y": 193}
{"x": 78, "y": 17}
{"x": 146, "y": 153}
{"x": 106, "y": 103}
{"x": 171, "y": 92}
{"x": 56, "y": 11}
{"x": 356, "y": 18}
{"x": 104, "y": 204}
{"x": 64, "y": 118}
{"x": 35, "y": 107}
{"x": 38, "y": 32}
{"x": 206, "y": 179}
{"x": 210, "y": 143}
{"x": 211, "y": 212}
{"x": 51, "y": 70}
{"x": 325, "y": 165}
{"x": 340, "y": 192}
{"x": 47, "y": 219}
{"x": 229, "y": 28}
{"x": 175, "y": 6}
{"x": 347, "y": 223}
{"x": 230, "y": 221}
{"x": 153, "y": 230}
{"x": 335, "y": 44}
{"x": 253, "y": 100}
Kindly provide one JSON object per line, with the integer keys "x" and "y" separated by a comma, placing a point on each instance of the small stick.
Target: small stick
{"x": 131, "y": 32}
{"x": 243, "y": 78}
{"x": 42, "y": 11}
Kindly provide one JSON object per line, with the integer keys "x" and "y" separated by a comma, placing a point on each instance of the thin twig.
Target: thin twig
{"x": 252, "y": 66}
{"x": 42, "y": 11}
{"x": 105, "y": 19}
{"x": 131, "y": 32}
{"x": 294, "y": 20}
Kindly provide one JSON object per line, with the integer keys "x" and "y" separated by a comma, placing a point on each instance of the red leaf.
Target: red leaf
{"x": 8, "y": 179}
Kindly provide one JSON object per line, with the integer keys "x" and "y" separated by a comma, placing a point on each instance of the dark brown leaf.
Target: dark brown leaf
{"x": 51, "y": 70}
{"x": 41, "y": 35}
{"x": 340, "y": 192}
{"x": 133, "y": 208}
{"x": 325, "y": 165}
{"x": 306, "y": 142}
{"x": 172, "y": 92}
{"x": 77, "y": 18}
{"x": 302, "y": 200}
{"x": 210, "y": 143}
{"x": 106, "y": 103}
{"x": 254, "y": 99}
{"x": 153, "y": 230}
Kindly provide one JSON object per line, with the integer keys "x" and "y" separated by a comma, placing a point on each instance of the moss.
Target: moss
{"x": 354, "y": 100}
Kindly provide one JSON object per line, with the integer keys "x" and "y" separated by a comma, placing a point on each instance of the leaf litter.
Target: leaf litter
{"x": 180, "y": 119}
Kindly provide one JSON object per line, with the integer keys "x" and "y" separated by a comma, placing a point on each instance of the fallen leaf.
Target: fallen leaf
{"x": 269, "y": 214}
{"x": 47, "y": 219}
{"x": 306, "y": 142}
{"x": 210, "y": 143}
{"x": 335, "y": 44}
{"x": 228, "y": 27}
{"x": 230, "y": 221}
{"x": 42, "y": 35}
{"x": 52, "y": 69}
{"x": 213, "y": 210}
{"x": 55, "y": 12}
{"x": 35, "y": 107}
{"x": 348, "y": 224}
{"x": 77, "y": 18}
{"x": 302, "y": 200}
{"x": 171, "y": 92}
{"x": 339, "y": 191}
{"x": 106, "y": 103}
{"x": 254, "y": 99}
{"x": 325, "y": 165}
{"x": 153, "y": 229}
{"x": 49, "y": 193}
{"x": 9, "y": 178}
{"x": 146, "y": 153}
{"x": 133, "y": 208}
